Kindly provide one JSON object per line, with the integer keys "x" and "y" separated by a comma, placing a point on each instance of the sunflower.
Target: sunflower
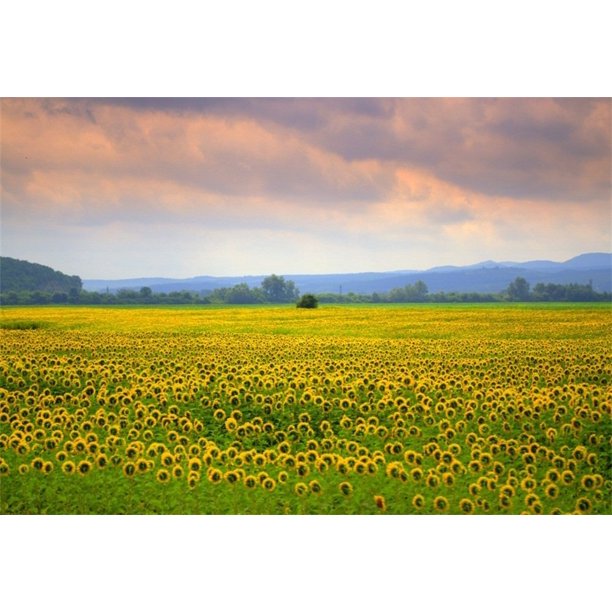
{"x": 322, "y": 466}
{"x": 194, "y": 464}
{"x": 410, "y": 456}
{"x": 528, "y": 484}
{"x": 143, "y": 465}
{"x": 314, "y": 487}
{"x": 345, "y": 488}
{"x": 232, "y": 477}
{"x": 394, "y": 469}
{"x": 129, "y": 469}
{"x": 587, "y": 482}
{"x": 342, "y": 467}
{"x": 284, "y": 447}
{"x": 131, "y": 452}
{"x": 553, "y": 475}
{"x": 269, "y": 484}
{"x": 505, "y": 501}
{"x": 162, "y": 475}
{"x": 231, "y": 424}
{"x": 24, "y": 468}
{"x": 380, "y": 502}
{"x": 219, "y": 414}
{"x": 551, "y": 490}
{"x": 214, "y": 475}
{"x": 432, "y": 481}
{"x": 475, "y": 465}
{"x": 454, "y": 448}
{"x": 466, "y": 506}
{"x": 259, "y": 460}
{"x": 301, "y": 488}
{"x": 360, "y": 467}
{"x": 448, "y": 479}
{"x": 446, "y": 457}
{"x": 177, "y": 471}
{"x": 418, "y": 501}
{"x": 68, "y": 467}
{"x": 441, "y": 504}
{"x": 261, "y": 476}
{"x": 283, "y": 477}
{"x": 498, "y": 468}
{"x": 167, "y": 458}
{"x": 84, "y": 467}
{"x": 417, "y": 474}
{"x": 37, "y": 463}
{"x": 580, "y": 453}
{"x": 558, "y": 462}
{"x": 22, "y": 449}
{"x": 457, "y": 467}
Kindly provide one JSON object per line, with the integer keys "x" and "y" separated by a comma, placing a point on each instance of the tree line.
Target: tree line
{"x": 272, "y": 290}
{"x": 517, "y": 291}
{"x": 276, "y": 290}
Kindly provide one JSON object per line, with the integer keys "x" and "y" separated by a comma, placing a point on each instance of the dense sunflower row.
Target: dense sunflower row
{"x": 211, "y": 421}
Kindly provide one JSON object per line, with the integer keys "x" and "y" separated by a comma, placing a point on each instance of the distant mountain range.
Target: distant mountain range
{"x": 482, "y": 277}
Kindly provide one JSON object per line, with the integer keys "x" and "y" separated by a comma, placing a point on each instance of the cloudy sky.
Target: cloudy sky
{"x": 116, "y": 188}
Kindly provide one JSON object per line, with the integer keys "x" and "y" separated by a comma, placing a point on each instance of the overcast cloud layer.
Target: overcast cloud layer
{"x": 112, "y": 188}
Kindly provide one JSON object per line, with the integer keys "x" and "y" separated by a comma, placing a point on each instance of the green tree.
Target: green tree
{"x": 409, "y": 293}
{"x": 308, "y": 301}
{"x": 518, "y": 290}
{"x": 277, "y": 290}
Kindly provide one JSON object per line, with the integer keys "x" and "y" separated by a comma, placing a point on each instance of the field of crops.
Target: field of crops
{"x": 493, "y": 409}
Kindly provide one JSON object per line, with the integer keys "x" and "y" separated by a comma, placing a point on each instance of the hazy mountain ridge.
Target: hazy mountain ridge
{"x": 486, "y": 276}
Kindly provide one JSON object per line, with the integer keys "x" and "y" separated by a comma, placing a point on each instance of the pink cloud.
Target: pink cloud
{"x": 456, "y": 174}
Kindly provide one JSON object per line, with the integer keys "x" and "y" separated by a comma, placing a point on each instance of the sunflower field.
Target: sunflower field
{"x": 420, "y": 409}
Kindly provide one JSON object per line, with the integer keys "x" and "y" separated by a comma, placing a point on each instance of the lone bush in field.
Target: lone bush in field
{"x": 308, "y": 301}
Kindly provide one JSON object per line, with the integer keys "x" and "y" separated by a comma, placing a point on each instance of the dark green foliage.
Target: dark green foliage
{"x": 277, "y": 290}
{"x": 518, "y": 290}
{"x": 308, "y": 301}
{"x": 409, "y": 293}
{"x": 17, "y": 275}
{"x": 573, "y": 292}
{"x": 238, "y": 294}
{"x": 21, "y": 325}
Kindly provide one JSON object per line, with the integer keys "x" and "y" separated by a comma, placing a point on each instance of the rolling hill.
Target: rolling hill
{"x": 18, "y": 275}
